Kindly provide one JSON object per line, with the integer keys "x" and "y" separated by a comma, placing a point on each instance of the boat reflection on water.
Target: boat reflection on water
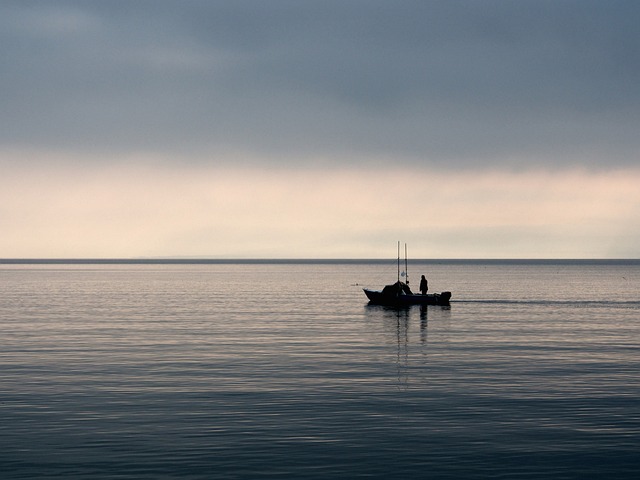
{"x": 407, "y": 329}
{"x": 399, "y": 329}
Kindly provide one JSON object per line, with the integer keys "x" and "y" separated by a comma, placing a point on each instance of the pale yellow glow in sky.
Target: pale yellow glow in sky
{"x": 135, "y": 210}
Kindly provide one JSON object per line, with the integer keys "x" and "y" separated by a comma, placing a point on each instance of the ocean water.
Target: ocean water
{"x": 253, "y": 371}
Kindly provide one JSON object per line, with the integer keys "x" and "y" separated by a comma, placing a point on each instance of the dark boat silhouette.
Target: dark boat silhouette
{"x": 399, "y": 293}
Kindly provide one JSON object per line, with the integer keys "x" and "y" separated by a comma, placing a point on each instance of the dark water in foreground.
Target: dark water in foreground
{"x": 283, "y": 371}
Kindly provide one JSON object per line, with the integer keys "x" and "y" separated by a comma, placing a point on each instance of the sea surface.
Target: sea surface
{"x": 282, "y": 370}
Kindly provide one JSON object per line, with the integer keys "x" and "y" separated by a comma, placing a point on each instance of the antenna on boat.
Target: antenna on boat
{"x": 406, "y": 269}
{"x": 398, "y": 261}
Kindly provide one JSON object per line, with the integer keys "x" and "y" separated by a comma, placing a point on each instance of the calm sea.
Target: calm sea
{"x": 252, "y": 371}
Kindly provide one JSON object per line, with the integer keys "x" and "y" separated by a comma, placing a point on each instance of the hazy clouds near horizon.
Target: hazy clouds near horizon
{"x": 455, "y": 83}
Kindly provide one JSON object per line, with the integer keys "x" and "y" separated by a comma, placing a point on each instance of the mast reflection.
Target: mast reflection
{"x": 397, "y": 325}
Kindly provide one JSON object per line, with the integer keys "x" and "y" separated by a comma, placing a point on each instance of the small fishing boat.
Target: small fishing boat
{"x": 399, "y": 294}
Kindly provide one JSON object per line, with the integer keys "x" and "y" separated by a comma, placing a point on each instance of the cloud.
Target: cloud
{"x": 319, "y": 128}
{"x": 449, "y": 84}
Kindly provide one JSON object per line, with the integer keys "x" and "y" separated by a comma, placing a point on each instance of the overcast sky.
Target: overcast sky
{"x": 468, "y": 129}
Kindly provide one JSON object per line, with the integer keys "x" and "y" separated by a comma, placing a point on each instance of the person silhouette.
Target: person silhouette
{"x": 424, "y": 285}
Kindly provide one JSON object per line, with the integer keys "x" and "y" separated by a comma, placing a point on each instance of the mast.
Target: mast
{"x": 398, "y": 260}
{"x": 406, "y": 269}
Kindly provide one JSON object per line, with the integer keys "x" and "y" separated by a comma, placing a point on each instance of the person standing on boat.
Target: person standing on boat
{"x": 424, "y": 285}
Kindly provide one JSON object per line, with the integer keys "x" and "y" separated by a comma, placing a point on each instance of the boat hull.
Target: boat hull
{"x": 377, "y": 297}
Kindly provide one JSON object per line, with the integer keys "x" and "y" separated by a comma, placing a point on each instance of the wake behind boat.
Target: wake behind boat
{"x": 399, "y": 294}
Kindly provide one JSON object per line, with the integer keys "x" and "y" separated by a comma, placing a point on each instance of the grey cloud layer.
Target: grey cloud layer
{"x": 456, "y": 82}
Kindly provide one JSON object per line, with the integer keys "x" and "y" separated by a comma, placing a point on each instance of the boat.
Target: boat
{"x": 399, "y": 294}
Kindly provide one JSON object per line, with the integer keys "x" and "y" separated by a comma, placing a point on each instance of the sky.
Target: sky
{"x": 320, "y": 128}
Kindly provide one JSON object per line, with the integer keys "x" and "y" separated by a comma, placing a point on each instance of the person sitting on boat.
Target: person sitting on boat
{"x": 424, "y": 285}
